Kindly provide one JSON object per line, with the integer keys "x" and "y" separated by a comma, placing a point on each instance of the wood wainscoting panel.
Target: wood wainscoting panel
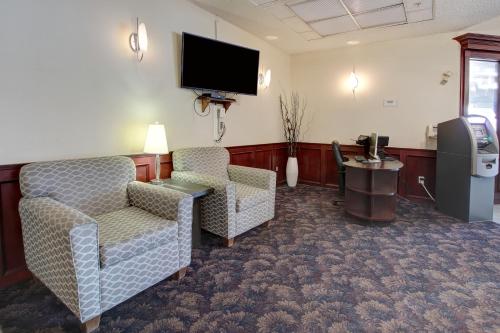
{"x": 418, "y": 163}
{"x": 317, "y": 166}
{"x": 310, "y": 160}
{"x": 269, "y": 156}
{"x": 280, "y": 156}
{"x": 263, "y": 159}
{"x": 145, "y": 166}
{"x": 12, "y": 265}
{"x": 243, "y": 158}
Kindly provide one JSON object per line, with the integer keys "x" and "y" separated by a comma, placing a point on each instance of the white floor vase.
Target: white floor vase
{"x": 292, "y": 171}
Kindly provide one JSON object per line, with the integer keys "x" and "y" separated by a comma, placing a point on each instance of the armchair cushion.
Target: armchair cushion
{"x": 171, "y": 205}
{"x": 249, "y": 196}
{"x": 205, "y": 160}
{"x": 131, "y": 231}
{"x": 94, "y": 186}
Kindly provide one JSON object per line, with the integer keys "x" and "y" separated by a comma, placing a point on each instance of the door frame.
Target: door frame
{"x": 482, "y": 47}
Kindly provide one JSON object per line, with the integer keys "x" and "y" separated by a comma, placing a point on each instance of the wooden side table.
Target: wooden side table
{"x": 197, "y": 191}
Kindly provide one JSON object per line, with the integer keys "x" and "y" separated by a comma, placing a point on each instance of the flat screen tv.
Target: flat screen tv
{"x": 208, "y": 64}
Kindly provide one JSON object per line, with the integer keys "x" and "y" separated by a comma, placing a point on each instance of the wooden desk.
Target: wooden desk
{"x": 371, "y": 189}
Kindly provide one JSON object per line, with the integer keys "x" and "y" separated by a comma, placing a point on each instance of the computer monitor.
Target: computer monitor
{"x": 373, "y": 146}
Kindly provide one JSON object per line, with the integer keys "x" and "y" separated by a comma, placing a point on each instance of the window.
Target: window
{"x": 483, "y": 89}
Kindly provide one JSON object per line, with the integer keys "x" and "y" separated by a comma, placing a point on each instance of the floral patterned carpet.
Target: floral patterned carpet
{"x": 314, "y": 269}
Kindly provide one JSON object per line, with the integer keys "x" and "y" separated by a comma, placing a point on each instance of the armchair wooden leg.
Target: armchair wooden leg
{"x": 91, "y": 325}
{"x": 228, "y": 242}
{"x": 180, "y": 273}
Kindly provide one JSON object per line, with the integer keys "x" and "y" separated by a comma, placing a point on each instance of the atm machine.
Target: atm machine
{"x": 467, "y": 163}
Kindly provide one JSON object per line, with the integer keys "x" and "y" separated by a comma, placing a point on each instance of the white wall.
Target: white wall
{"x": 71, "y": 86}
{"x": 407, "y": 70}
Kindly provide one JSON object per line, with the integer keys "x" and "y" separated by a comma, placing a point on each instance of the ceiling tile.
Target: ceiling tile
{"x": 382, "y": 17}
{"x": 281, "y": 11}
{"x": 413, "y": 5}
{"x": 311, "y": 35}
{"x": 420, "y": 15}
{"x": 361, "y": 6}
{"x": 317, "y": 10}
{"x": 296, "y": 24}
{"x": 262, "y": 2}
{"x": 334, "y": 26}
{"x": 292, "y": 2}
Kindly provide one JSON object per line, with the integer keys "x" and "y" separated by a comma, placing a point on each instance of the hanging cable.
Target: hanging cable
{"x": 215, "y": 29}
{"x": 428, "y": 193}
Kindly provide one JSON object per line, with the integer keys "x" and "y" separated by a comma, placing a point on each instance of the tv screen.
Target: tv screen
{"x": 208, "y": 64}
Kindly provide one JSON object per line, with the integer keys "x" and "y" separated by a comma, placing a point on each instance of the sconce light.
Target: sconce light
{"x": 139, "y": 40}
{"x": 446, "y": 76}
{"x": 265, "y": 79}
{"x": 353, "y": 81}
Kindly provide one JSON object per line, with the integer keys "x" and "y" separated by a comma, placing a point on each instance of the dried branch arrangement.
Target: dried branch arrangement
{"x": 292, "y": 114}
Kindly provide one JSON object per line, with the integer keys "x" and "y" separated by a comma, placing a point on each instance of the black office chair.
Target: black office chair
{"x": 339, "y": 159}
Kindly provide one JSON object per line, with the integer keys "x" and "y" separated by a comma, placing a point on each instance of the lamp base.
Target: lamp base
{"x": 156, "y": 181}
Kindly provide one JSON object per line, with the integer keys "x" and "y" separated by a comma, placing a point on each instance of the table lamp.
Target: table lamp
{"x": 156, "y": 143}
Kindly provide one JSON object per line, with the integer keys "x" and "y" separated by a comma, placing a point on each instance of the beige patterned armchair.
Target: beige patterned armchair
{"x": 243, "y": 198}
{"x": 96, "y": 237}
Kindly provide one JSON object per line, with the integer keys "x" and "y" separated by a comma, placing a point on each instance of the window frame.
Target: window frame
{"x": 474, "y": 46}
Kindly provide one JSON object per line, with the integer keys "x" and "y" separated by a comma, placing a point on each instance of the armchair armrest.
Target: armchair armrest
{"x": 158, "y": 200}
{"x": 61, "y": 249}
{"x": 171, "y": 205}
{"x": 261, "y": 178}
{"x": 218, "y": 209}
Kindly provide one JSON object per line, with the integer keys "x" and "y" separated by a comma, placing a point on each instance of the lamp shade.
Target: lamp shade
{"x": 156, "y": 140}
{"x": 353, "y": 81}
{"x": 267, "y": 78}
{"x": 142, "y": 37}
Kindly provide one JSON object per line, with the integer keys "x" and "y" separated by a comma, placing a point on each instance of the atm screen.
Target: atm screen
{"x": 479, "y": 130}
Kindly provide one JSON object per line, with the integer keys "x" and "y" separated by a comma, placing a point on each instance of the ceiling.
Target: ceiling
{"x": 309, "y": 25}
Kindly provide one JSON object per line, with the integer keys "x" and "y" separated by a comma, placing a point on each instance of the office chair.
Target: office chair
{"x": 339, "y": 159}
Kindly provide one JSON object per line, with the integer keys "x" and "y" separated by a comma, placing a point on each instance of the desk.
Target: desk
{"x": 197, "y": 191}
{"x": 371, "y": 189}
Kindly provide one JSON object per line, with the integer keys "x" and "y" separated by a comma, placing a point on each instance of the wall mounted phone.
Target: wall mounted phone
{"x": 432, "y": 131}
{"x": 219, "y": 124}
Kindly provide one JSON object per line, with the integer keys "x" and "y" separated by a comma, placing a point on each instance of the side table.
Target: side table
{"x": 195, "y": 190}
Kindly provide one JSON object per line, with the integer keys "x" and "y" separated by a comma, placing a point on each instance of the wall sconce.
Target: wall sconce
{"x": 265, "y": 79}
{"x": 139, "y": 40}
{"x": 446, "y": 76}
{"x": 353, "y": 81}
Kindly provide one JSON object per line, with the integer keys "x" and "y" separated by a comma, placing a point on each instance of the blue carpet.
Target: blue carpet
{"x": 314, "y": 269}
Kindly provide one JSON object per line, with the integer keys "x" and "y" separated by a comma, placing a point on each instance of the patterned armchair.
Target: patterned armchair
{"x": 243, "y": 197}
{"x": 96, "y": 237}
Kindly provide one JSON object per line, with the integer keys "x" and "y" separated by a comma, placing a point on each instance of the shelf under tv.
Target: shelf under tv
{"x": 206, "y": 100}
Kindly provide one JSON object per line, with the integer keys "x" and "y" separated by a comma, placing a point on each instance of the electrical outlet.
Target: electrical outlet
{"x": 276, "y": 169}
{"x": 421, "y": 179}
